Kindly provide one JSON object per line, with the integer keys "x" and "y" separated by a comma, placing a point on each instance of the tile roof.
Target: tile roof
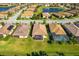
{"x": 33, "y": 6}
{"x": 39, "y": 29}
{"x": 31, "y": 9}
{"x": 63, "y": 14}
{"x": 46, "y": 14}
{"x": 77, "y": 24}
{"x": 57, "y": 29}
{"x": 72, "y": 28}
{"x": 73, "y": 11}
{"x": 3, "y": 15}
{"x": 22, "y": 30}
{"x": 59, "y": 14}
{"x": 4, "y": 29}
{"x": 67, "y": 14}
{"x": 27, "y": 14}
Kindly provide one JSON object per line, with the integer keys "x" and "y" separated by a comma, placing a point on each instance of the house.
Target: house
{"x": 57, "y": 32}
{"x": 27, "y": 14}
{"x": 62, "y": 14}
{"x": 77, "y": 24}
{"x": 33, "y": 6}
{"x": 67, "y": 14}
{"x": 74, "y": 12}
{"x": 22, "y": 31}
{"x": 47, "y": 4}
{"x": 0, "y": 25}
{"x": 31, "y": 9}
{"x": 7, "y": 29}
{"x": 46, "y": 15}
{"x": 14, "y": 9}
{"x": 72, "y": 29}
{"x": 39, "y": 31}
{"x": 59, "y": 15}
{"x": 3, "y": 15}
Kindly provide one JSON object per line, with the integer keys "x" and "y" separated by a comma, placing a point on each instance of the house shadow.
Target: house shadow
{"x": 49, "y": 34}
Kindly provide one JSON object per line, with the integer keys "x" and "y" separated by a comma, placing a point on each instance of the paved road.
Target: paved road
{"x": 41, "y": 21}
{"x": 15, "y": 16}
{"x": 47, "y": 21}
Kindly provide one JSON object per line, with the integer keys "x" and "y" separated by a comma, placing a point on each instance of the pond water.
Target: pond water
{"x": 52, "y": 9}
{"x": 5, "y": 8}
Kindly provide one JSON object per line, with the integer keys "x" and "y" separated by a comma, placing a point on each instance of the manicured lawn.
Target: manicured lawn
{"x": 76, "y": 16}
{"x": 54, "y": 18}
{"x": 23, "y": 18}
{"x": 39, "y": 10}
{"x": 16, "y": 46}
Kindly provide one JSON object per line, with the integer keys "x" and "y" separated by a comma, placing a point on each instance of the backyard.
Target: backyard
{"x": 16, "y": 46}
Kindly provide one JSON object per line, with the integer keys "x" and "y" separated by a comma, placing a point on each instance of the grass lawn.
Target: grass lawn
{"x": 23, "y": 18}
{"x": 16, "y": 46}
{"x": 76, "y": 16}
{"x": 39, "y": 10}
{"x": 54, "y": 18}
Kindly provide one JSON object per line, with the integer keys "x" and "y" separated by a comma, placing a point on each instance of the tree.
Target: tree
{"x": 73, "y": 39}
{"x": 9, "y": 14}
{"x": 6, "y": 38}
{"x": 60, "y": 53}
{"x": 44, "y": 21}
{"x": 42, "y": 53}
{"x": 2, "y": 23}
{"x": 49, "y": 41}
{"x": 68, "y": 42}
{"x": 34, "y": 54}
{"x": 39, "y": 53}
{"x": 59, "y": 42}
{"x": 28, "y": 54}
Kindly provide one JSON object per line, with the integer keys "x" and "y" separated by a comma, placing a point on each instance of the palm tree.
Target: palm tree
{"x": 73, "y": 39}
{"x": 34, "y": 54}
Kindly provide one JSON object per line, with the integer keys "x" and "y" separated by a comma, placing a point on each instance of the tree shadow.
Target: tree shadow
{"x": 39, "y": 53}
{"x": 60, "y": 53}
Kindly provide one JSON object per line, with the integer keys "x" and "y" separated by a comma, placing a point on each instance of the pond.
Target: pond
{"x": 5, "y": 8}
{"x": 52, "y": 9}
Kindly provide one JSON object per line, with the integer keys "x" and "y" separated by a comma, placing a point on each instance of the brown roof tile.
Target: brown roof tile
{"x": 4, "y": 29}
{"x": 57, "y": 29}
{"x": 22, "y": 30}
{"x": 39, "y": 29}
{"x": 72, "y": 28}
